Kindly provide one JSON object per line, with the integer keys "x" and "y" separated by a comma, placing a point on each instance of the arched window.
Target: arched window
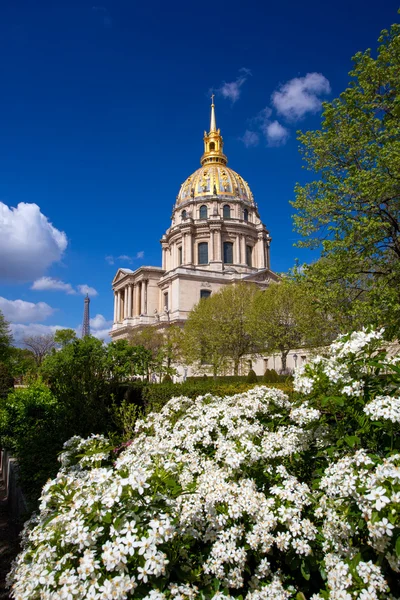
{"x": 203, "y": 212}
{"x": 227, "y": 211}
{"x": 249, "y": 253}
{"x": 246, "y": 214}
{"x": 202, "y": 253}
{"x": 228, "y": 253}
{"x": 183, "y": 214}
{"x": 204, "y": 294}
{"x": 212, "y": 146}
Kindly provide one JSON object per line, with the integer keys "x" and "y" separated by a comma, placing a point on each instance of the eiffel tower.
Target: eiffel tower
{"x": 86, "y": 323}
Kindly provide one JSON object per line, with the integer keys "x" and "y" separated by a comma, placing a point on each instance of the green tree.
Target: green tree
{"x": 163, "y": 347}
{"x": 5, "y": 339}
{"x": 352, "y": 210}
{"x": 84, "y": 376}
{"x": 285, "y": 317}
{"x": 21, "y": 362}
{"x": 217, "y": 331}
{"x": 40, "y": 346}
{"x": 32, "y": 427}
{"x": 6, "y": 380}
{"x": 62, "y": 337}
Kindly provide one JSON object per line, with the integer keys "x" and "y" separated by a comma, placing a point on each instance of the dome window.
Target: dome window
{"x": 249, "y": 256}
{"x": 184, "y": 214}
{"x": 227, "y": 211}
{"x": 202, "y": 253}
{"x": 228, "y": 253}
{"x": 180, "y": 258}
{"x": 203, "y": 212}
{"x": 246, "y": 214}
{"x": 212, "y": 146}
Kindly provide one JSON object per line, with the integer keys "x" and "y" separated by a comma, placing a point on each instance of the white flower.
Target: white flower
{"x": 378, "y": 497}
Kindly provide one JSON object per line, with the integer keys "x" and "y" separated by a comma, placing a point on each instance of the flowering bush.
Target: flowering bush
{"x": 252, "y": 495}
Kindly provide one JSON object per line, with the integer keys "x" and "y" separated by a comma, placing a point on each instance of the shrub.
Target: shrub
{"x": 167, "y": 379}
{"x": 251, "y": 377}
{"x": 271, "y": 376}
{"x": 31, "y": 428}
{"x": 6, "y": 380}
{"x": 157, "y": 395}
{"x": 246, "y": 495}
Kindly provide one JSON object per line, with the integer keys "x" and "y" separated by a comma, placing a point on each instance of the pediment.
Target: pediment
{"x": 121, "y": 273}
{"x": 264, "y": 277}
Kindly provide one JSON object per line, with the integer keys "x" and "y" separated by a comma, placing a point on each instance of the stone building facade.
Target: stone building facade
{"x": 216, "y": 238}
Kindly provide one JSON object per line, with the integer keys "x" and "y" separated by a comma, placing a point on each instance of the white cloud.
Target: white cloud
{"x": 299, "y": 96}
{"x": 125, "y": 257}
{"x": 29, "y": 243}
{"x": 99, "y": 322}
{"x": 250, "y": 138}
{"x": 100, "y": 327}
{"x": 86, "y": 289}
{"x": 232, "y": 90}
{"x": 20, "y": 331}
{"x": 21, "y": 311}
{"x": 49, "y": 283}
{"x": 276, "y": 134}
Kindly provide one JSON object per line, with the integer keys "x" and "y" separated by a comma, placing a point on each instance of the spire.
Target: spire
{"x": 213, "y": 142}
{"x": 86, "y": 318}
{"x": 213, "y": 125}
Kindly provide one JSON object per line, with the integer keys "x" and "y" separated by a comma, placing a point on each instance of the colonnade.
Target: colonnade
{"x": 131, "y": 301}
{"x": 260, "y": 249}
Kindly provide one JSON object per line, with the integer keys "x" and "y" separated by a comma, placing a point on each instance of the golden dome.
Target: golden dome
{"x": 214, "y": 178}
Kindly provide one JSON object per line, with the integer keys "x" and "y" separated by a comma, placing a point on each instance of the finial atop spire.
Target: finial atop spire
{"x": 213, "y": 142}
{"x": 213, "y": 125}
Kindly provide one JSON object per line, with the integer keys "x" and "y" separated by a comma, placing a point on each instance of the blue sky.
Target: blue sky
{"x": 103, "y": 108}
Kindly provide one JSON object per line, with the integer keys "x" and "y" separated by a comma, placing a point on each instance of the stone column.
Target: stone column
{"x": 185, "y": 249}
{"x": 115, "y": 307}
{"x": 267, "y": 253}
{"x": 190, "y": 248}
{"x": 237, "y": 250}
{"x": 139, "y": 298}
{"x": 243, "y": 249}
{"x": 118, "y": 306}
{"x": 219, "y": 246}
{"x": 129, "y": 313}
{"x": 212, "y": 236}
{"x": 146, "y": 281}
{"x": 142, "y": 307}
{"x": 133, "y": 299}
{"x": 125, "y": 302}
{"x": 261, "y": 251}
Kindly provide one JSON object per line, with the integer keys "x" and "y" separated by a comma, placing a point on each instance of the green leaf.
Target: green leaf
{"x": 305, "y": 571}
{"x": 397, "y": 546}
{"x": 352, "y": 440}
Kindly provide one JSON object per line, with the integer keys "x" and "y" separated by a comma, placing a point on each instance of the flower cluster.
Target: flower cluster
{"x": 384, "y": 407}
{"x": 344, "y": 366}
{"x": 216, "y": 498}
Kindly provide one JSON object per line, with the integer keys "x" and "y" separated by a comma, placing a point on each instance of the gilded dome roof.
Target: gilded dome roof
{"x": 214, "y": 179}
